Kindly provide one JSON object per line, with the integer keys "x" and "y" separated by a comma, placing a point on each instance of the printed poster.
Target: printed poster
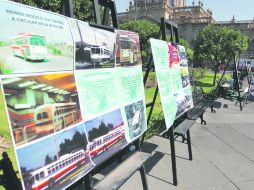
{"x": 63, "y": 120}
{"x": 130, "y": 83}
{"x": 33, "y": 40}
{"x": 173, "y": 79}
{"x": 165, "y": 79}
{"x": 185, "y": 78}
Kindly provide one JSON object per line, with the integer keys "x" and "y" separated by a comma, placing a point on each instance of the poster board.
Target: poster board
{"x": 73, "y": 94}
{"x": 173, "y": 80}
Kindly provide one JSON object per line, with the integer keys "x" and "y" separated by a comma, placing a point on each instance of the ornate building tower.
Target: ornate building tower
{"x": 178, "y": 3}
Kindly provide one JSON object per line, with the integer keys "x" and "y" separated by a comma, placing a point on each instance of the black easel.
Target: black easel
{"x": 104, "y": 23}
{"x": 245, "y": 71}
{"x": 166, "y": 26}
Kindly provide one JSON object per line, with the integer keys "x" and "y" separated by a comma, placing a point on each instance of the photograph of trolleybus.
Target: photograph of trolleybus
{"x": 55, "y": 162}
{"x": 127, "y": 48}
{"x": 95, "y": 48}
{"x": 41, "y": 105}
{"x": 106, "y": 135}
{"x": 33, "y": 45}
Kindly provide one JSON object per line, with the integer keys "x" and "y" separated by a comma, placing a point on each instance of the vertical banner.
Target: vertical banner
{"x": 173, "y": 79}
{"x": 165, "y": 78}
{"x": 130, "y": 83}
{"x": 187, "y": 90}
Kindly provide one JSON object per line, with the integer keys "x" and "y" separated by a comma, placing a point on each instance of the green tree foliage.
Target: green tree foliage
{"x": 83, "y": 9}
{"x": 189, "y": 50}
{"x": 219, "y": 45}
{"x": 102, "y": 130}
{"x": 146, "y": 30}
{"x": 69, "y": 145}
{"x": 48, "y": 160}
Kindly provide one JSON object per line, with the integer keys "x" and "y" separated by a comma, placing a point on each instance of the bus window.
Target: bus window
{"x": 45, "y": 115}
{"x": 125, "y": 45}
{"x": 95, "y": 50}
{"x": 42, "y": 175}
{"x": 35, "y": 41}
{"x": 38, "y": 116}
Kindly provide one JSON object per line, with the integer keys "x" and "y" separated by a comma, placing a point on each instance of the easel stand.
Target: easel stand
{"x": 118, "y": 176}
{"x": 171, "y": 28}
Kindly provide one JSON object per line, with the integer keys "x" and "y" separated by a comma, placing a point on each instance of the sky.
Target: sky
{"x": 113, "y": 117}
{"x": 223, "y": 10}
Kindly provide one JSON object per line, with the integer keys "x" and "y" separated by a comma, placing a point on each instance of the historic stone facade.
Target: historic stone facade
{"x": 189, "y": 18}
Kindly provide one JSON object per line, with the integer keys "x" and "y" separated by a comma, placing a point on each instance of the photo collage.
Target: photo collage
{"x": 63, "y": 94}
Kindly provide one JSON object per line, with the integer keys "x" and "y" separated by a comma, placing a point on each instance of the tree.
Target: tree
{"x": 146, "y": 30}
{"x": 219, "y": 45}
{"x": 48, "y": 160}
{"x": 83, "y": 9}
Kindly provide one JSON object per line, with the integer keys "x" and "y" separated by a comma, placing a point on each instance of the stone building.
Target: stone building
{"x": 189, "y": 18}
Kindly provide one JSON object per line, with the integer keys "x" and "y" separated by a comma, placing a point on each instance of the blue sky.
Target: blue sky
{"x": 113, "y": 117}
{"x": 223, "y": 10}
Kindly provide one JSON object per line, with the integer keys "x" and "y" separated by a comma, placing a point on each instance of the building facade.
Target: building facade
{"x": 188, "y": 18}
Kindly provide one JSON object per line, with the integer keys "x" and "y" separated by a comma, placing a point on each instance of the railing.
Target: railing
{"x": 194, "y": 20}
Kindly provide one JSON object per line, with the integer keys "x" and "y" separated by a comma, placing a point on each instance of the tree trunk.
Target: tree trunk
{"x": 215, "y": 74}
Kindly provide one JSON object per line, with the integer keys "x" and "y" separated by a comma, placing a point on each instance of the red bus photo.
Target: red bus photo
{"x": 61, "y": 160}
{"x": 106, "y": 135}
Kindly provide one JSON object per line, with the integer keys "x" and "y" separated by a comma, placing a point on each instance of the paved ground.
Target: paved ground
{"x": 223, "y": 155}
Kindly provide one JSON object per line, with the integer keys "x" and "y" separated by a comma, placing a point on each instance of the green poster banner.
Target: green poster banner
{"x": 97, "y": 90}
{"x": 166, "y": 80}
{"x": 172, "y": 75}
{"x": 131, "y": 96}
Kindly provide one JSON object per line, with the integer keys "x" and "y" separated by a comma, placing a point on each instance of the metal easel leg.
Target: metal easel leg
{"x": 189, "y": 145}
{"x": 173, "y": 155}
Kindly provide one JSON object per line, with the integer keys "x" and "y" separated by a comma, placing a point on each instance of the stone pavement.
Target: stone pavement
{"x": 223, "y": 154}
